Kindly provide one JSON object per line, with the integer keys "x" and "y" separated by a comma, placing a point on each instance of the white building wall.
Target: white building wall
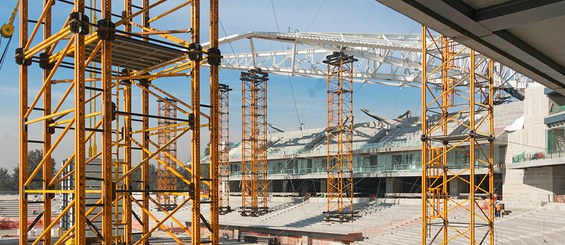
{"x": 531, "y": 186}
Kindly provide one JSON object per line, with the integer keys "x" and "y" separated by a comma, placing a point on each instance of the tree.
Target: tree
{"x": 10, "y": 182}
{"x": 4, "y": 179}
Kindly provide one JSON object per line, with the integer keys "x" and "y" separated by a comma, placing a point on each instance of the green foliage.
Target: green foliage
{"x": 10, "y": 182}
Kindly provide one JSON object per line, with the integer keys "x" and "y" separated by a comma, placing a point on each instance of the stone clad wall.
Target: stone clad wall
{"x": 530, "y": 186}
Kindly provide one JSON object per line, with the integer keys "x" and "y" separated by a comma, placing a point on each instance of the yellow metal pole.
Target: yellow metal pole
{"x": 491, "y": 150}
{"x": 23, "y": 156}
{"x": 80, "y": 156}
{"x": 47, "y": 168}
{"x": 107, "y": 183}
{"x": 145, "y": 138}
{"x": 472, "y": 142}
{"x": 424, "y": 150}
{"x": 214, "y": 125}
{"x": 195, "y": 139}
{"x": 445, "y": 100}
{"x": 126, "y": 200}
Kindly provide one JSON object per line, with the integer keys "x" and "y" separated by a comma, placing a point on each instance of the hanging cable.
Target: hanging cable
{"x": 315, "y": 16}
{"x": 225, "y": 35}
{"x": 3, "y": 57}
{"x": 289, "y": 79}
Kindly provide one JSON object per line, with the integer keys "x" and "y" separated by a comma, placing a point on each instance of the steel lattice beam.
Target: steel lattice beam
{"x": 388, "y": 59}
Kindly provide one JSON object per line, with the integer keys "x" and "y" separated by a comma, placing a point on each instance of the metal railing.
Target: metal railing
{"x": 523, "y": 157}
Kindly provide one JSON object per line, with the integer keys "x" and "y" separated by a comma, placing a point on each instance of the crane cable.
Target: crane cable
{"x": 289, "y": 79}
{"x": 3, "y": 57}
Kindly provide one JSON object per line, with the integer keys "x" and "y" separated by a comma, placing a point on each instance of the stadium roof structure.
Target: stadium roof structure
{"x": 373, "y": 136}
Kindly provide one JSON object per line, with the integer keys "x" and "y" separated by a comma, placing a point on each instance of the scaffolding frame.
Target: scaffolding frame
{"x": 166, "y": 180}
{"x": 339, "y": 139}
{"x": 120, "y": 140}
{"x": 224, "y": 149}
{"x": 254, "y": 185}
{"x": 461, "y": 86}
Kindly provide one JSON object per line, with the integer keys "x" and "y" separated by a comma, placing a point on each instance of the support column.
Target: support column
{"x": 47, "y": 132}
{"x": 224, "y": 149}
{"x": 127, "y": 183}
{"x": 339, "y": 140}
{"x": 145, "y": 137}
{"x": 23, "y": 158}
{"x": 79, "y": 125}
{"x": 107, "y": 183}
{"x": 254, "y": 185}
{"x": 196, "y": 51}
{"x": 214, "y": 57}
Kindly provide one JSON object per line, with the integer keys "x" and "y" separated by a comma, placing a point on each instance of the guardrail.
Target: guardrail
{"x": 522, "y": 157}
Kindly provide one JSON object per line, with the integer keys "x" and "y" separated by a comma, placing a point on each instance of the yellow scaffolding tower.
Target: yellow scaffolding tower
{"x": 254, "y": 185}
{"x": 339, "y": 139}
{"x": 457, "y": 92}
{"x": 166, "y": 180}
{"x": 110, "y": 205}
{"x": 224, "y": 149}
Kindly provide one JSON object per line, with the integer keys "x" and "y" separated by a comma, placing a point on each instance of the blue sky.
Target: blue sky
{"x": 240, "y": 16}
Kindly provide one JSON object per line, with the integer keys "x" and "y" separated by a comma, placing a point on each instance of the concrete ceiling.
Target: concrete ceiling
{"x": 526, "y": 35}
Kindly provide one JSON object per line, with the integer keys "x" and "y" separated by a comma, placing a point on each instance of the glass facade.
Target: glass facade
{"x": 556, "y": 139}
{"x": 369, "y": 163}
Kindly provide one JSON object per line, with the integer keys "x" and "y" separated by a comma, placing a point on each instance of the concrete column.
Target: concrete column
{"x": 285, "y": 185}
{"x": 236, "y": 234}
{"x": 393, "y": 185}
{"x": 323, "y": 186}
{"x": 304, "y": 240}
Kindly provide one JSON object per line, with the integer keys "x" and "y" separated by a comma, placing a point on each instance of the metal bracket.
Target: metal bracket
{"x": 214, "y": 56}
{"x": 78, "y": 23}
{"x": 191, "y": 120}
{"x": 106, "y": 30}
{"x": 44, "y": 61}
{"x": 20, "y": 57}
{"x": 195, "y": 52}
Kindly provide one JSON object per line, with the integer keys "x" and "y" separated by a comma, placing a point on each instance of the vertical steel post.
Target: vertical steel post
{"x": 47, "y": 168}
{"x": 23, "y": 157}
{"x": 195, "y": 140}
{"x": 80, "y": 152}
{"x": 214, "y": 126}
{"x": 145, "y": 138}
{"x": 107, "y": 183}
{"x": 424, "y": 150}
{"x": 126, "y": 197}
{"x": 472, "y": 142}
{"x": 490, "y": 109}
